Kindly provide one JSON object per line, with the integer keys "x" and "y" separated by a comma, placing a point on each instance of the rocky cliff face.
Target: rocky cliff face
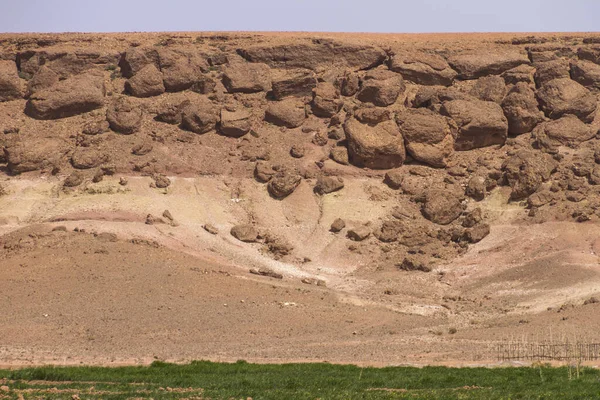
{"x": 440, "y": 127}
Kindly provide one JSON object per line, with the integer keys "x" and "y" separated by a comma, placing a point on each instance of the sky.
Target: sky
{"x": 393, "y": 16}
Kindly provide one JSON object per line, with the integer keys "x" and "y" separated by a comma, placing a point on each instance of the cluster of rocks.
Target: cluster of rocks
{"x": 471, "y": 120}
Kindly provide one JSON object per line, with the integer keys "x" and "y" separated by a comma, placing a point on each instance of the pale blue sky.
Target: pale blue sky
{"x": 300, "y": 15}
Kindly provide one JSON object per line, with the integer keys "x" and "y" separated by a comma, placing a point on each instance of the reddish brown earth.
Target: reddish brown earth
{"x": 465, "y": 169}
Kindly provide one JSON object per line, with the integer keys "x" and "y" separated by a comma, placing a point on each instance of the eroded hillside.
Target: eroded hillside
{"x": 448, "y": 181}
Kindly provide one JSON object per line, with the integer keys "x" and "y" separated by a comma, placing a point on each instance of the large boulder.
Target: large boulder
{"x": 181, "y": 68}
{"x": 44, "y": 78}
{"x": 489, "y": 88}
{"x": 283, "y": 183}
{"x": 298, "y": 84}
{"x": 565, "y": 96}
{"x": 480, "y": 123}
{"x": 587, "y": 73}
{"x": 428, "y": 136}
{"x": 328, "y": 184}
{"x": 550, "y": 70}
{"x": 567, "y": 131}
{"x": 521, "y": 109}
{"x": 75, "y": 95}
{"x": 324, "y": 53}
{"x": 378, "y": 146}
{"x": 124, "y": 116}
{"x": 522, "y": 73}
{"x": 423, "y": 68}
{"x": 147, "y": 82}
{"x": 37, "y": 155}
{"x": 242, "y": 77}
{"x": 442, "y": 207}
{"x": 349, "y": 83}
{"x": 525, "y": 171}
{"x": 65, "y": 63}
{"x": 482, "y": 63}
{"x": 289, "y": 113}
{"x": 86, "y": 158}
{"x": 245, "y": 233}
{"x": 326, "y": 100}
{"x": 591, "y": 53}
{"x": 136, "y": 58}
{"x": 199, "y": 116}
{"x": 235, "y": 123}
{"x": 381, "y": 87}
{"x": 10, "y": 83}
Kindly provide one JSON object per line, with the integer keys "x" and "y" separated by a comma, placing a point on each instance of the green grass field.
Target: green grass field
{"x": 204, "y": 380}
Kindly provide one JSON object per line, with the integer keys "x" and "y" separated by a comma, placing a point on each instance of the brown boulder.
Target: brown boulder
{"x": 244, "y": 233}
{"x": 476, "y": 188}
{"x": 381, "y": 87}
{"x": 590, "y": 53}
{"x": 283, "y": 183}
{"x": 235, "y": 123}
{"x": 171, "y": 113}
{"x": 318, "y": 53}
{"x": 337, "y": 225}
{"x": 161, "y": 181}
{"x": 181, "y": 68}
{"x": 565, "y": 96}
{"x": 477, "y": 233}
{"x": 328, "y": 184}
{"x": 377, "y": 147}
{"x": 522, "y": 73}
{"x": 33, "y": 156}
{"x": 423, "y": 68}
{"x": 247, "y": 78}
{"x": 394, "y": 179}
{"x": 373, "y": 116}
{"x": 124, "y": 116}
{"x": 136, "y": 58}
{"x": 199, "y": 116}
{"x": 428, "y": 136}
{"x": 441, "y": 206}
{"x": 567, "y": 131}
{"x": 326, "y": 100}
{"x": 521, "y": 110}
{"x": 586, "y": 73}
{"x": 10, "y": 83}
{"x": 76, "y": 95}
{"x": 86, "y": 158}
{"x": 339, "y": 154}
{"x": 550, "y": 70}
{"x": 74, "y": 179}
{"x": 480, "y": 123}
{"x": 475, "y": 65}
{"x": 525, "y": 171}
{"x": 43, "y": 78}
{"x": 489, "y": 88}
{"x": 289, "y": 113}
{"x": 147, "y": 82}
{"x": 472, "y": 218}
{"x": 299, "y": 84}
{"x": 349, "y": 83}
